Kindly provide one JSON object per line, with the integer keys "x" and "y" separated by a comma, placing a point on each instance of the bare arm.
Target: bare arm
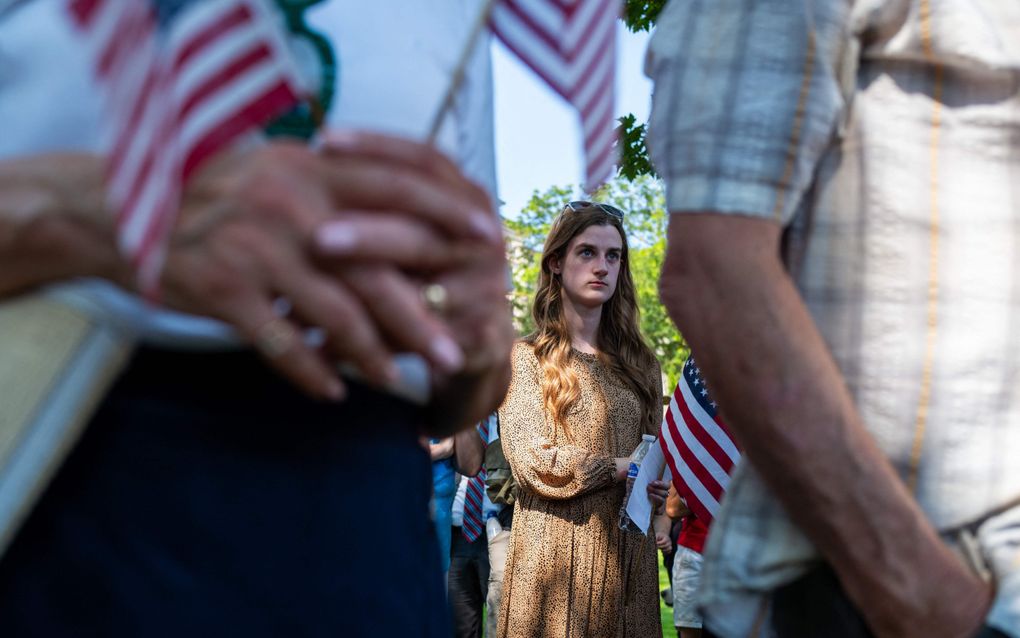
{"x": 676, "y": 508}
{"x": 787, "y": 403}
{"x": 53, "y": 222}
{"x": 469, "y": 451}
{"x": 660, "y": 528}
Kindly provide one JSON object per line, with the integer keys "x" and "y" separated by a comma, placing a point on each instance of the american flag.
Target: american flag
{"x": 571, "y": 44}
{"x": 182, "y": 79}
{"x": 697, "y": 445}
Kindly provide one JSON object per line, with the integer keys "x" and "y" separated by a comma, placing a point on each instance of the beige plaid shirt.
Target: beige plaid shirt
{"x": 885, "y": 138}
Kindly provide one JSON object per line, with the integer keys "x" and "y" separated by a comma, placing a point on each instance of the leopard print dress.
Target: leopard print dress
{"x": 570, "y": 571}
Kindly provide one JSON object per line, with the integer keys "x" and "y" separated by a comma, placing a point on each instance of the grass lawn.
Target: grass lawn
{"x": 665, "y": 613}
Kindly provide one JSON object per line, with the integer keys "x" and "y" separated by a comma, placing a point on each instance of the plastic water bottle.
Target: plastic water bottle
{"x": 626, "y": 523}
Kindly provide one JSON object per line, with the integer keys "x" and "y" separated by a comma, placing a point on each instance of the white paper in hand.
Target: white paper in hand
{"x": 639, "y": 508}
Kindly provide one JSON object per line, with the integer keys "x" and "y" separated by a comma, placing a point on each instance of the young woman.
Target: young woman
{"x": 585, "y": 388}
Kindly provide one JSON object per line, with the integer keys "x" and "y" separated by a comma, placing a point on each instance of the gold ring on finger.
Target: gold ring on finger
{"x": 436, "y": 298}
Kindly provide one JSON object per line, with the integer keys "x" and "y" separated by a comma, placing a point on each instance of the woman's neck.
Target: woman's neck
{"x": 583, "y": 323}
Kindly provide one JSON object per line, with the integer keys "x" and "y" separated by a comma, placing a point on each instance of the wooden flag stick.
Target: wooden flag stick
{"x": 458, "y": 74}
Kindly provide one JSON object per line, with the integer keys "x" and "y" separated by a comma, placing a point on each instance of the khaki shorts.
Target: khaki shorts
{"x": 686, "y": 574}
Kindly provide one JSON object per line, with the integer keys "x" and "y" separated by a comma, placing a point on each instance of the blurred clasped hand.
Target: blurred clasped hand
{"x": 349, "y": 234}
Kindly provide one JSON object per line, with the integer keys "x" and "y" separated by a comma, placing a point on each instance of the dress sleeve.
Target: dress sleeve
{"x": 550, "y": 471}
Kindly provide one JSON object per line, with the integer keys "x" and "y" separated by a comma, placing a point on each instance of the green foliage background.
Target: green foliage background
{"x": 645, "y": 222}
{"x": 638, "y": 15}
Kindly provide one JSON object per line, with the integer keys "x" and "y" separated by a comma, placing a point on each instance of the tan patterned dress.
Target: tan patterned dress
{"x": 570, "y": 571}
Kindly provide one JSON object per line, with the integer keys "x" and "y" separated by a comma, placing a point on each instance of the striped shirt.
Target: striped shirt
{"x": 883, "y": 137}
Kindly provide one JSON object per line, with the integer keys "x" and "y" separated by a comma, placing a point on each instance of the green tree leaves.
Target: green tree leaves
{"x": 640, "y": 15}
{"x": 634, "y": 160}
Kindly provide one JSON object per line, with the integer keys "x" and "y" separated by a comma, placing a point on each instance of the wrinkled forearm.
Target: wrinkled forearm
{"x": 54, "y": 223}
{"x": 784, "y": 397}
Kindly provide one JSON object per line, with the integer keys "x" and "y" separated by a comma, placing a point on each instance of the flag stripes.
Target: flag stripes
{"x": 571, "y": 45}
{"x": 183, "y": 79}
{"x": 697, "y": 445}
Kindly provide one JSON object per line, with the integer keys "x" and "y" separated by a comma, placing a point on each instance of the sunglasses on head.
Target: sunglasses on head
{"x": 605, "y": 208}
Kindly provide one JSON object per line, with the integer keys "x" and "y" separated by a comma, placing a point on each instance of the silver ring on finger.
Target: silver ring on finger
{"x": 436, "y": 298}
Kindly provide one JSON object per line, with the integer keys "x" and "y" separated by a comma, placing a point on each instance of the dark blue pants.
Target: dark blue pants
{"x": 209, "y": 498}
{"x": 469, "y": 583}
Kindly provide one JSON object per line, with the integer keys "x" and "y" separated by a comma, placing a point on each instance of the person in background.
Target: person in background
{"x": 668, "y": 556}
{"x": 469, "y": 558}
{"x": 686, "y": 570}
{"x": 444, "y": 489}
{"x": 661, "y": 529}
{"x": 498, "y": 523}
{"x": 585, "y": 388}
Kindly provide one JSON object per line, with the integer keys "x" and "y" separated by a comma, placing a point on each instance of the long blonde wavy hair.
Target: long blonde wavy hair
{"x": 619, "y": 339}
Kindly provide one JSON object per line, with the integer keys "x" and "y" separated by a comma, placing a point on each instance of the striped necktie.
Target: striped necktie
{"x": 473, "y": 525}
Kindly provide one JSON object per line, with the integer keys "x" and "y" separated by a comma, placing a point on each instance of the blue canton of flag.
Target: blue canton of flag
{"x": 167, "y": 9}
{"x": 694, "y": 379}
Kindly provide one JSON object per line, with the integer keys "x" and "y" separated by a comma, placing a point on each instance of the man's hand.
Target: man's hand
{"x": 782, "y": 394}
{"x": 657, "y": 493}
